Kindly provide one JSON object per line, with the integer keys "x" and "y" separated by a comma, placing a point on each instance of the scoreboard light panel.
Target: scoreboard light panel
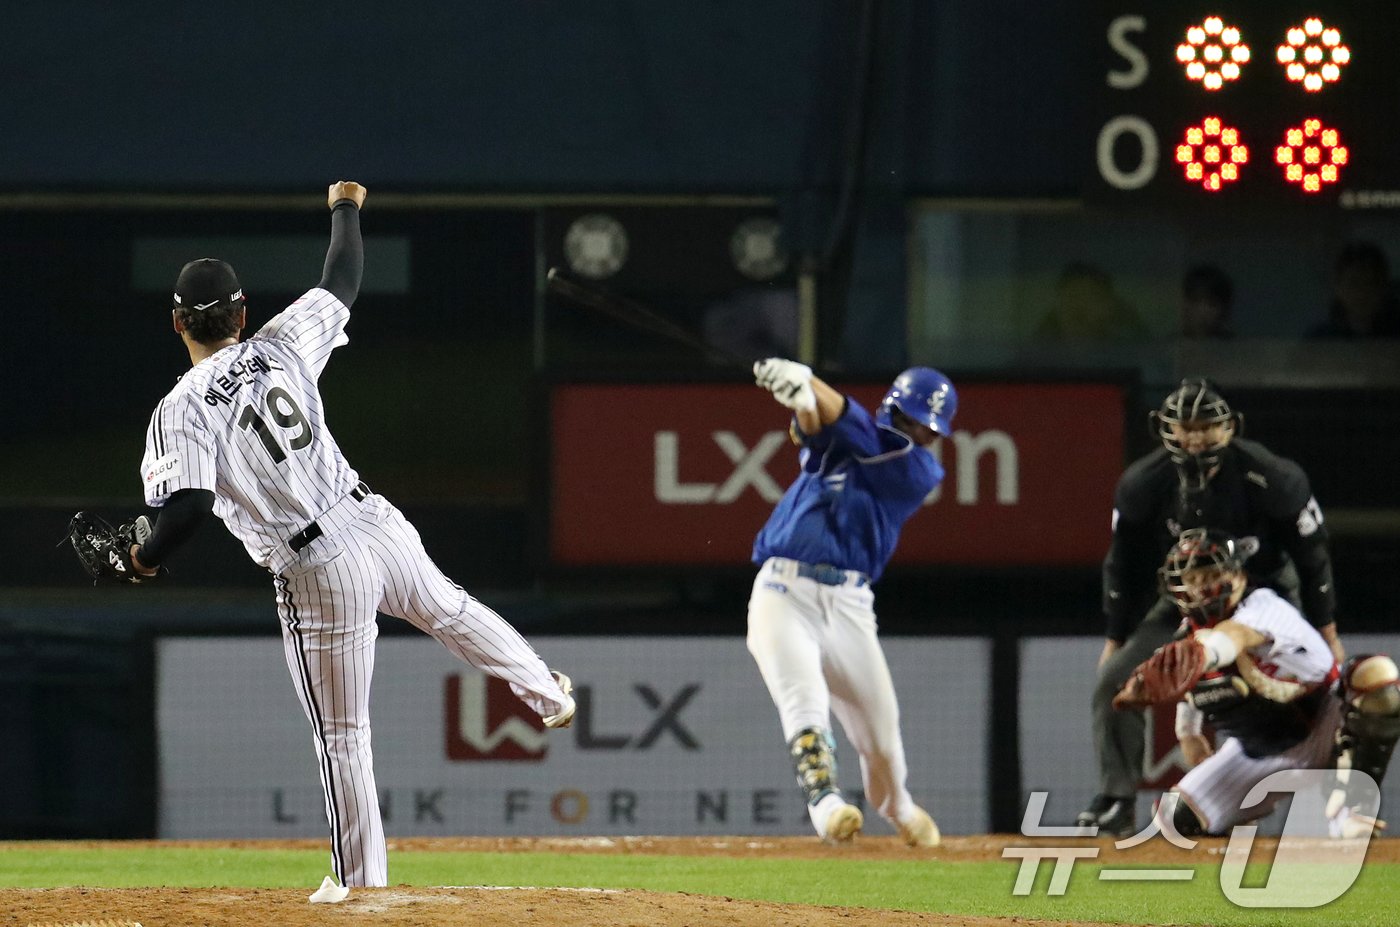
{"x": 1248, "y": 102}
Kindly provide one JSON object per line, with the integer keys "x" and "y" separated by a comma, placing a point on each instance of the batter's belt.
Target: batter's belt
{"x": 824, "y": 573}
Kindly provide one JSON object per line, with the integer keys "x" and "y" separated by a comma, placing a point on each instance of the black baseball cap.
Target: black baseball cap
{"x": 206, "y": 283}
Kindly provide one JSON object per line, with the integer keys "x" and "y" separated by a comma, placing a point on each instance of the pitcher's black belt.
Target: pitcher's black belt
{"x": 312, "y": 531}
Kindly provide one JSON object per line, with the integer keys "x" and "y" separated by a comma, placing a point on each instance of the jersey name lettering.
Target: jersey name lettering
{"x": 238, "y": 374}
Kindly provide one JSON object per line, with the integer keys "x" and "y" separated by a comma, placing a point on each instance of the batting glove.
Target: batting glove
{"x": 788, "y": 381}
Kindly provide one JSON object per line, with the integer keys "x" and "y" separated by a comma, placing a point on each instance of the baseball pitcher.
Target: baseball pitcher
{"x": 811, "y": 619}
{"x": 243, "y": 434}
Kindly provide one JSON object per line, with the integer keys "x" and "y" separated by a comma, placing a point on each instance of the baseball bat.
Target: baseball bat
{"x": 635, "y": 315}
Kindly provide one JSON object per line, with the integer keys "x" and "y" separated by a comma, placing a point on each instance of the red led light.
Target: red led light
{"x": 1313, "y": 55}
{"x": 1211, "y": 153}
{"x": 1311, "y": 155}
{"x": 1212, "y": 53}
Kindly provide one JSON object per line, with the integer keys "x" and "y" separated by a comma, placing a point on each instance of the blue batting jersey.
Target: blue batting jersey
{"x": 859, "y": 484}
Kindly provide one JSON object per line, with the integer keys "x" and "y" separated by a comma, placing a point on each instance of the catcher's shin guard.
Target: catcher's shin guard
{"x": 1186, "y": 822}
{"x": 813, "y": 753}
{"x": 1371, "y": 715}
{"x": 1369, "y": 731}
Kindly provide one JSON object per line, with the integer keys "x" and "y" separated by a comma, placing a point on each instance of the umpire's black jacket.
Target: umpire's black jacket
{"x": 1260, "y": 498}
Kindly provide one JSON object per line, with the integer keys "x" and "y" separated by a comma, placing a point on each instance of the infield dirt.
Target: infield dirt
{"x": 402, "y": 906}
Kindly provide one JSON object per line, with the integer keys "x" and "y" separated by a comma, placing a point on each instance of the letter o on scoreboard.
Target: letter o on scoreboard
{"x": 1108, "y": 151}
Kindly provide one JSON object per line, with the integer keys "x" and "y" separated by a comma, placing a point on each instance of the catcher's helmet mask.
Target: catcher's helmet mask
{"x": 1204, "y": 575}
{"x": 1195, "y": 405}
{"x": 923, "y": 394}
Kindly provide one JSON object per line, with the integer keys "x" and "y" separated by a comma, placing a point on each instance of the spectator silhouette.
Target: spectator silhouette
{"x": 1207, "y": 297}
{"x": 1362, "y": 303}
{"x": 1086, "y": 307}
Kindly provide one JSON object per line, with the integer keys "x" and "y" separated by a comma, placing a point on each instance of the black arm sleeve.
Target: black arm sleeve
{"x": 1297, "y": 523}
{"x": 345, "y": 259}
{"x": 185, "y": 511}
{"x": 1314, "y": 565}
{"x": 1130, "y": 559}
{"x": 1135, "y": 553}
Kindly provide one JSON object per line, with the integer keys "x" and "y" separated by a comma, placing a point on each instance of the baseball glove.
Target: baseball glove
{"x": 105, "y": 551}
{"x": 1164, "y": 677}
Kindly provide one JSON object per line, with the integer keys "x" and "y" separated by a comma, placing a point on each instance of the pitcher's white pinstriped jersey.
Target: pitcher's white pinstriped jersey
{"x": 255, "y": 410}
{"x": 246, "y": 423}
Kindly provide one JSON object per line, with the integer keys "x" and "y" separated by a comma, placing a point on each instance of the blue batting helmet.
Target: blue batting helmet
{"x": 923, "y": 394}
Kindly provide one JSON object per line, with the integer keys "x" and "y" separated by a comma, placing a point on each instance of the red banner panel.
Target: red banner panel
{"x": 688, "y": 473}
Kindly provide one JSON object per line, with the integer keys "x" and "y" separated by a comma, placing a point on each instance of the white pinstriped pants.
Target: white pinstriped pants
{"x": 817, "y": 649}
{"x": 1217, "y": 787}
{"x": 327, "y": 602}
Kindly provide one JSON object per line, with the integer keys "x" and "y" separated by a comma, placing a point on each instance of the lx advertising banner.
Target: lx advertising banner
{"x": 687, "y": 474}
{"x": 672, "y": 736}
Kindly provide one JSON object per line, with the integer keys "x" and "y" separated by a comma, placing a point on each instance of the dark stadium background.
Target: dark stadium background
{"x": 135, "y": 135}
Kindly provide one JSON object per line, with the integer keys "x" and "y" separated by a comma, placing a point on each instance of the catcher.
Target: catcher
{"x": 1204, "y": 474}
{"x": 1252, "y": 667}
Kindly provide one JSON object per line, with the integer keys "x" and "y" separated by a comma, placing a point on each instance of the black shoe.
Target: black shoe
{"x": 1120, "y": 819}
{"x": 1114, "y": 817}
{"x": 1089, "y": 817}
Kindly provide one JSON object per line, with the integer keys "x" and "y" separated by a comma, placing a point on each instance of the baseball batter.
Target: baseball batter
{"x": 1264, "y": 677}
{"x": 243, "y": 434}
{"x": 811, "y": 619}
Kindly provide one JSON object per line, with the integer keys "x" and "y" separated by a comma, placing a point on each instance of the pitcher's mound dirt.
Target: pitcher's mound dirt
{"x": 497, "y": 906}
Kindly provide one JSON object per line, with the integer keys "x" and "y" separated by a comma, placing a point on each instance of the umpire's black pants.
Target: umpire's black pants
{"x": 1119, "y": 736}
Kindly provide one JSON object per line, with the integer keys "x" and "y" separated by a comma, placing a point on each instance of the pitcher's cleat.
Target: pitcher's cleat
{"x": 565, "y": 717}
{"x": 329, "y": 892}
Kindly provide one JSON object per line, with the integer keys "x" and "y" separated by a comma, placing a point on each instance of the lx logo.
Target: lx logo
{"x": 667, "y": 718}
{"x": 483, "y": 720}
{"x": 748, "y": 471}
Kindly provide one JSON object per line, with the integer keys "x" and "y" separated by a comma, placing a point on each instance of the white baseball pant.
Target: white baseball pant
{"x": 1217, "y": 786}
{"x": 817, "y": 650}
{"x": 327, "y": 602}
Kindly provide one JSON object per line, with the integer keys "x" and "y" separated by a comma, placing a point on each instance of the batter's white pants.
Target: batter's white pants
{"x": 1216, "y": 787}
{"x": 327, "y": 602}
{"x": 817, "y": 649}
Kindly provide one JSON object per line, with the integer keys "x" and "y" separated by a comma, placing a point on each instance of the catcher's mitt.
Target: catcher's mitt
{"x": 1164, "y": 677}
{"x": 105, "y": 551}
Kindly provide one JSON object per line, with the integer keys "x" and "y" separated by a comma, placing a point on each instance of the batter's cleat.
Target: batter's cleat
{"x": 843, "y": 824}
{"x": 918, "y": 830}
{"x": 565, "y": 717}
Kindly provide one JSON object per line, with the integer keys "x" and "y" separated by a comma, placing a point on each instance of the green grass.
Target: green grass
{"x": 982, "y": 888}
